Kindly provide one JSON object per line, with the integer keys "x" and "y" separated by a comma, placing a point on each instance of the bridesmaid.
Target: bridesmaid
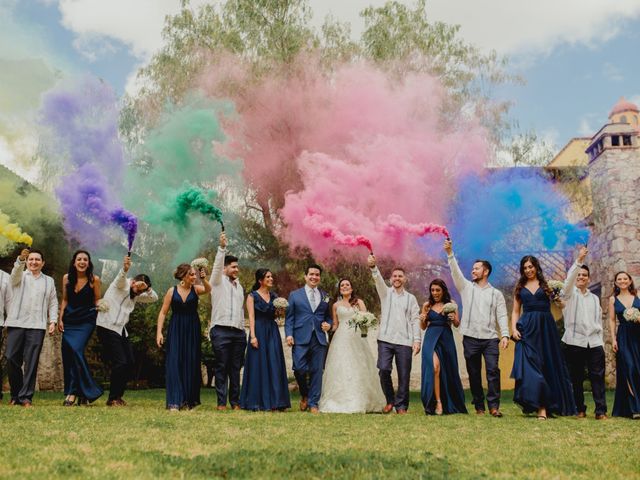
{"x": 264, "y": 382}
{"x": 542, "y": 380}
{"x": 441, "y": 390}
{"x": 626, "y": 345}
{"x": 80, "y": 294}
{"x": 182, "y": 361}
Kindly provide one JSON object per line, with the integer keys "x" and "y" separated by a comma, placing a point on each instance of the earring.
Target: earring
{"x": 182, "y": 283}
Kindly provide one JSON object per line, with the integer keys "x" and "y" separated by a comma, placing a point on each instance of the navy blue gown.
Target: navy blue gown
{"x": 438, "y": 338}
{"x": 539, "y": 369}
{"x": 625, "y": 403}
{"x": 79, "y": 320}
{"x": 183, "y": 377}
{"x": 264, "y": 382}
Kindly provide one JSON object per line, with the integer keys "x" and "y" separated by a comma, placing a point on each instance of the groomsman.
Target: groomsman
{"x": 5, "y": 296}
{"x": 227, "y": 332}
{"x": 34, "y": 305}
{"x": 121, "y": 297}
{"x": 398, "y": 335}
{"x": 484, "y": 325}
{"x": 583, "y": 337}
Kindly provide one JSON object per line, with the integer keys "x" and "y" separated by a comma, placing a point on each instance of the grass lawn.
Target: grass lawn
{"x": 143, "y": 440}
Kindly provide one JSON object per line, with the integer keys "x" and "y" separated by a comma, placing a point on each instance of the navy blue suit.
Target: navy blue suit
{"x": 310, "y": 342}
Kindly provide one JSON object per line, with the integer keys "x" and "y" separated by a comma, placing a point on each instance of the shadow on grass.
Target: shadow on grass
{"x": 274, "y": 463}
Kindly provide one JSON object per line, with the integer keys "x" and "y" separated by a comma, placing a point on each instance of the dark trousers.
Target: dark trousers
{"x": 116, "y": 350}
{"x": 474, "y": 350}
{"x": 402, "y": 354}
{"x": 23, "y": 347}
{"x": 594, "y": 359}
{"x": 229, "y": 345}
{"x": 308, "y": 361}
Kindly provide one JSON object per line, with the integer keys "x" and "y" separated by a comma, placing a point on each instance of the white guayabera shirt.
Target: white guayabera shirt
{"x": 5, "y": 294}
{"x": 484, "y": 310}
{"x": 227, "y": 298}
{"x": 582, "y": 314}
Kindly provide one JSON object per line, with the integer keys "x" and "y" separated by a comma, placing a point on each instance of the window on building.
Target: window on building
{"x": 635, "y": 119}
{"x": 626, "y": 140}
{"x": 615, "y": 141}
{"x": 623, "y": 118}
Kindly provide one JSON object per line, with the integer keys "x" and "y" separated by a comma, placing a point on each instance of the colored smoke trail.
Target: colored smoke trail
{"x": 193, "y": 199}
{"x": 81, "y": 139}
{"x": 315, "y": 222}
{"x": 508, "y": 213}
{"x": 396, "y": 225}
{"x": 12, "y": 231}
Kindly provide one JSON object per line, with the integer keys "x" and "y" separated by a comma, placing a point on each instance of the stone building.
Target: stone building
{"x": 605, "y": 194}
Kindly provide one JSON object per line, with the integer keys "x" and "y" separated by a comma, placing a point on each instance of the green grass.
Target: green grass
{"x": 143, "y": 440}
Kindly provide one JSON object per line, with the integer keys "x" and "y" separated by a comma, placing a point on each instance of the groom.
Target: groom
{"x": 308, "y": 318}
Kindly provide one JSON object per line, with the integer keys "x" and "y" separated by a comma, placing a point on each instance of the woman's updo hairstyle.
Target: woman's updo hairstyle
{"x": 182, "y": 271}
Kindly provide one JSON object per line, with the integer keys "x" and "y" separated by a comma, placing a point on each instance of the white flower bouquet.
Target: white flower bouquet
{"x": 449, "y": 308}
{"x": 363, "y": 321}
{"x": 200, "y": 263}
{"x": 281, "y": 305}
{"x": 632, "y": 315}
{"x": 102, "y": 306}
{"x": 557, "y": 288}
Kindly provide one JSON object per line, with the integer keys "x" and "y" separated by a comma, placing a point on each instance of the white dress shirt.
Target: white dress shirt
{"x": 314, "y": 296}
{"x": 582, "y": 314}
{"x": 5, "y": 294}
{"x": 33, "y": 299}
{"x": 121, "y": 304}
{"x": 399, "y": 316}
{"x": 484, "y": 310}
{"x": 227, "y": 298}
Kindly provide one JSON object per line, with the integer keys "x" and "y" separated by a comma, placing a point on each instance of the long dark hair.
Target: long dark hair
{"x": 72, "y": 274}
{"x": 353, "y": 301}
{"x": 446, "y": 296}
{"x": 261, "y": 273}
{"x": 539, "y": 275}
{"x": 616, "y": 289}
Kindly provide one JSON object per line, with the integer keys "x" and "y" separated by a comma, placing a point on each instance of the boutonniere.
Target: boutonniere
{"x": 326, "y": 299}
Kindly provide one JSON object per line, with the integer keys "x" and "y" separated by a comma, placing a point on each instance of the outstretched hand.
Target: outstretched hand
{"x": 371, "y": 260}
{"x": 448, "y": 246}
{"x": 24, "y": 254}
{"x": 582, "y": 254}
{"x": 223, "y": 240}
{"x": 126, "y": 263}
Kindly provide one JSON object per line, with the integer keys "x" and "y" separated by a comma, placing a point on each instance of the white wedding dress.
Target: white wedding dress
{"x": 350, "y": 383}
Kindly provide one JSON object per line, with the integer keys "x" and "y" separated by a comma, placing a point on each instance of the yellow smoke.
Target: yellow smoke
{"x": 13, "y": 231}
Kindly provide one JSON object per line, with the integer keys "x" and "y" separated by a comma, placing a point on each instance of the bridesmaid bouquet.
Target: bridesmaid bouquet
{"x": 557, "y": 288}
{"x": 632, "y": 315}
{"x": 102, "y": 306}
{"x": 200, "y": 263}
{"x": 363, "y": 321}
{"x": 281, "y": 305}
{"x": 449, "y": 308}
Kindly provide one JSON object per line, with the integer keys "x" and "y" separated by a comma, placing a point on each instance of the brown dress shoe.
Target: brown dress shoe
{"x": 236, "y": 407}
{"x": 581, "y": 415}
{"x": 27, "y": 404}
{"x": 401, "y": 411}
{"x": 222, "y": 407}
{"x": 387, "y": 408}
{"x": 479, "y": 412}
{"x": 314, "y": 410}
{"x": 304, "y": 404}
{"x": 495, "y": 413}
{"x": 601, "y": 416}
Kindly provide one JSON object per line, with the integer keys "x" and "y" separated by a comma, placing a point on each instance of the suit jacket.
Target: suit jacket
{"x": 301, "y": 322}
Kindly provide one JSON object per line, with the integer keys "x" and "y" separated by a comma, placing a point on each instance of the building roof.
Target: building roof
{"x": 623, "y": 105}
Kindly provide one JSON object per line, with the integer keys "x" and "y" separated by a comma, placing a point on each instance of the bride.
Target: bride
{"x": 350, "y": 383}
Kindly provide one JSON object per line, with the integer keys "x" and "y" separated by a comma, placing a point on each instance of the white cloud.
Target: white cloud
{"x": 586, "y": 126}
{"x": 612, "y": 73}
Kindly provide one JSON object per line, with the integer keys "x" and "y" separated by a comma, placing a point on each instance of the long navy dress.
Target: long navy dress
{"x": 183, "y": 376}
{"x": 628, "y": 364}
{"x": 79, "y": 319}
{"x": 439, "y": 339}
{"x": 539, "y": 369}
{"x": 264, "y": 382}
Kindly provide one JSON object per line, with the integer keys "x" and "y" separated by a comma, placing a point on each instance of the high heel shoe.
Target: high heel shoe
{"x": 438, "y": 410}
{"x": 68, "y": 403}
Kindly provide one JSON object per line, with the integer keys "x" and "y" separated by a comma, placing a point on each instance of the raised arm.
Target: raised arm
{"x": 18, "y": 268}
{"x": 121, "y": 280}
{"x": 381, "y": 287}
{"x": 613, "y": 327}
{"x": 206, "y": 286}
{"x": 572, "y": 275}
{"x": 218, "y": 262}
{"x": 149, "y": 296}
{"x": 458, "y": 278}
{"x": 166, "y": 303}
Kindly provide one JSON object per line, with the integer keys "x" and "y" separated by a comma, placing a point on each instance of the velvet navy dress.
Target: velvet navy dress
{"x": 264, "y": 381}
{"x": 539, "y": 369}
{"x": 627, "y": 398}
{"x": 438, "y": 338}
{"x": 183, "y": 377}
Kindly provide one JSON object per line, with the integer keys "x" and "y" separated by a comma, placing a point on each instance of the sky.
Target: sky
{"x": 576, "y": 56}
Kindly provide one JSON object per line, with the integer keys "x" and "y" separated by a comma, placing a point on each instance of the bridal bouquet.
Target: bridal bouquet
{"x": 200, "y": 263}
{"x": 363, "y": 321}
{"x": 102, "y": 306}
{"x": 557, "y": 288}
{"x": 281, "y": 305}
{"x": 632, "y": 315}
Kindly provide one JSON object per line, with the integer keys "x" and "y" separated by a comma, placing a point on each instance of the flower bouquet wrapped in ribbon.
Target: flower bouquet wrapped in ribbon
{"x": 363, "y": 321}
{"x": 281, "y": 305}
{"x": 557, "y": 288}
{"x": 632, "y": 315}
